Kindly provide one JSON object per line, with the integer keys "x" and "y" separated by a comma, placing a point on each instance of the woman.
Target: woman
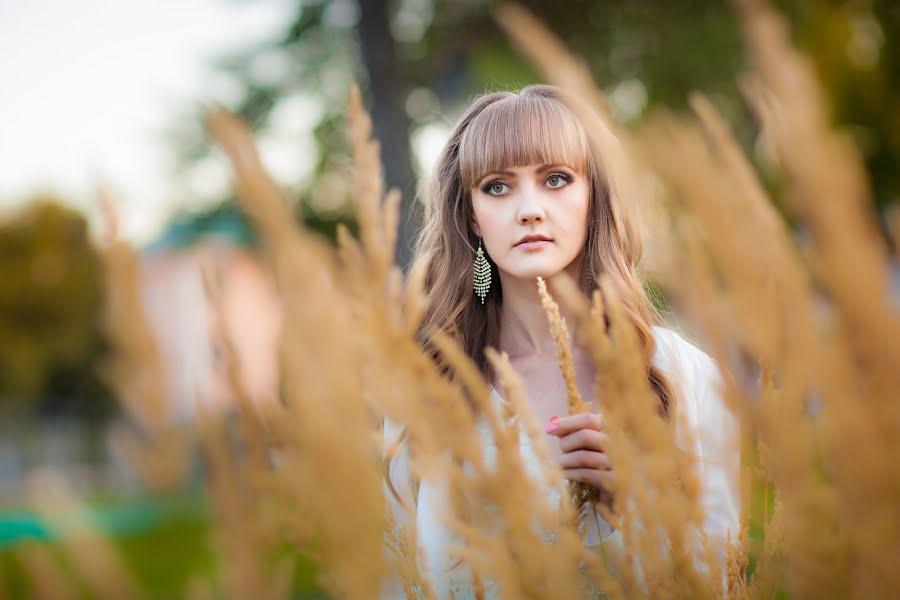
{"x": 516, "y": 194}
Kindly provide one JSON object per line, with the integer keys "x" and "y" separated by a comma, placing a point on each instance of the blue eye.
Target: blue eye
{"x": 486, "y": 188}
{"x": 566, "y": 179}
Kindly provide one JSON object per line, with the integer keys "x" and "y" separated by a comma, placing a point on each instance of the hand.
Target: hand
{"x": 583, "y": 442}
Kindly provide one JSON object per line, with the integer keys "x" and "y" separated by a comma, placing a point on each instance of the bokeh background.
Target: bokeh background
{"x": 113, "y": 92}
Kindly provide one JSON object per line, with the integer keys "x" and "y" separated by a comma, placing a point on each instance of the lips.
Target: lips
{"x": 534, "y": 238}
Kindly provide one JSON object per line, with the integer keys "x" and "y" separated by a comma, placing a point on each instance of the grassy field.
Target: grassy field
{"x": 164, "y": 543}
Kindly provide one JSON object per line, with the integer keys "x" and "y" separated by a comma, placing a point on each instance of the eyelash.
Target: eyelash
{"x": 564, "y": 176}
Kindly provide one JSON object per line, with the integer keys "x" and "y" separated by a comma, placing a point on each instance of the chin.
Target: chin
{"x": 543, "y": 269}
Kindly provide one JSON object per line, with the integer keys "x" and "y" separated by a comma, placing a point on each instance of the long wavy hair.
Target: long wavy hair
{"x": 498, "y": 130}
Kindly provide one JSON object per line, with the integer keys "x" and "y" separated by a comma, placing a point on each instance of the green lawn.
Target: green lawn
{"x": 164, "y": 542}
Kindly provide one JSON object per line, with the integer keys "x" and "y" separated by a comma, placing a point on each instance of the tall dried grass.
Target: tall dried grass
{"x": 821, "y": 426}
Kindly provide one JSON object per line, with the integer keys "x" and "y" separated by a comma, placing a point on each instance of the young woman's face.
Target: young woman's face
{"x": 546, "y": 200}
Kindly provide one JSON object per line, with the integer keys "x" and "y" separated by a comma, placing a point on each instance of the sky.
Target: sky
{"x": 87, "y": 87}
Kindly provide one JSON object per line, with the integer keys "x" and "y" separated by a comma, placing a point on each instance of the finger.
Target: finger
{"x": 584, "y": 439}
{"x": 585, "y": 458}
{"x": 570, "y": 423}
{"x": 589, "y": 476}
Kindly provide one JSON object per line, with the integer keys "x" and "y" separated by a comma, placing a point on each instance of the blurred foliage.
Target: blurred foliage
{"x": 856, "y": 49}
{"x": 448, "y": 51}
{"x": 50, "y": 297}
{"x": 645, "y": 54}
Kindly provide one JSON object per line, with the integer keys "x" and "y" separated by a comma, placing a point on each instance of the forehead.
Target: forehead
{"x": 521, "y": 133}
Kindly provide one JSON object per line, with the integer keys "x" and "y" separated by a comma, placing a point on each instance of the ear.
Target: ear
{"x": 476, "y": 228}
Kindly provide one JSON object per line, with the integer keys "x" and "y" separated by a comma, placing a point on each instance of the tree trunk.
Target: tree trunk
{"x": 388, "y": 88}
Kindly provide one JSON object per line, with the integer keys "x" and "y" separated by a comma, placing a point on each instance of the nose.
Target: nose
{"x": 530, "y": 210}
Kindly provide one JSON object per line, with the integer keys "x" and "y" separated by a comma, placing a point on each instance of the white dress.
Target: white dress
{"x": 716, "y": 443}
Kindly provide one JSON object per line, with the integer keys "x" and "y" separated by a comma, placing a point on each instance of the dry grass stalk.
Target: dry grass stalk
{"x": 377, "y": 223}
{"x": 830, "y": 192}
{"x": 350, "y": 360}
{"x": 813, "y": 354}
{"x": 402, "y": 543}
{"x": 91, "y": 555}
{"x": 663, "y": 481}
{"x": 736, "y": 563}
{"x": 509, "y": 550}
{"x": 630, "y": 388}
{"x": 646, "y": 463}
{"x": 548, "y": 54}
{"x": 582, "y": 494}
{"x": 347, "y": 509}
{"x": 46, "y": 577}
{"x": 242, "y": 567}
{"x": 159, "y": 451}
{"x": 521, "y": 413}
{"x": 564, "y": 351}
{"x": 249, "y": 530}
{"x": 681, "y": 152}
{"x": 251, "y": 429}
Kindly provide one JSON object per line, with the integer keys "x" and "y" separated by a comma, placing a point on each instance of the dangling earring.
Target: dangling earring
{"x": 481, "y": 274}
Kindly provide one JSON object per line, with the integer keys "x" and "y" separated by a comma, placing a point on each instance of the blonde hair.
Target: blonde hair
{"x": 498, "y": 130}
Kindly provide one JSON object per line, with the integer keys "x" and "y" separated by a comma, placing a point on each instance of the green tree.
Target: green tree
{"x": 421, "y": 61}
{"x": 50, "y": 297}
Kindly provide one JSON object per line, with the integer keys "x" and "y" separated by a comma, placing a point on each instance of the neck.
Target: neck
{"x": 524, "y": 328}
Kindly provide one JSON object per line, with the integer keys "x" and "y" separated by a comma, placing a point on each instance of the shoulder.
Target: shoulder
{"x": 693, "y": 371}
{"x": 681, "y": 358}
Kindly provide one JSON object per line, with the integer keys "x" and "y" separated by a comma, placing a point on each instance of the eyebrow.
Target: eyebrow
{"x": 540, "y": 169}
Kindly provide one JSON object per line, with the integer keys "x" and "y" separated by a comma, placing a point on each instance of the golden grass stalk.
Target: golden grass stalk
{"x": 377, "y": 223}
{"x": 819, "y": 426}
{"x": 608, "y": 143}
{"x": 830, "y": 192}
{"x": 581, "y": 493}
{"x": 629, "y": 387}
{"x": 564, "y": 351}
{"x": 521, "y": 413}
{"x": 160, "y": 451}
{"x": 515, "y": 556}
{"x": 347, "y": 510}
{"x": 91, "y": 555}
{"x": 137, "y": 357}
{"x": 404, "y": 547}
{"x": 242, "y": 568}
{"x": 46, "y": 577}
{"x": 778, "y": 416}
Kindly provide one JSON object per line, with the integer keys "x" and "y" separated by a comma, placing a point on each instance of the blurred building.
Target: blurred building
{"x": 192, "y": 327}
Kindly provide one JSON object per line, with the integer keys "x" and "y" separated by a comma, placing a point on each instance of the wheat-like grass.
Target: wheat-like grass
{"x": 346, "y": 511}
{"x": 92, "y": 555}
{"x": 819, "y": 427}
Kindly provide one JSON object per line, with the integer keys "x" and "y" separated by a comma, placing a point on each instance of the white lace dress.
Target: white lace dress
{"x": 716, "y": 443}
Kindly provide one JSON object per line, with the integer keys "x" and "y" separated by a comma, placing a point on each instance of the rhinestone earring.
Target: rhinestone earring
{"x": 481, "y": 274}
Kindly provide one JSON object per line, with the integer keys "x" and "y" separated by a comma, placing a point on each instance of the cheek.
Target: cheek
{"x": 487, "y": 216}
{"x": 578, "y": 214}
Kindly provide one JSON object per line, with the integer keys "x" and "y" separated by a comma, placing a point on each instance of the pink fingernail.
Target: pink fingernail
{"x": 553, "y": 419}
{"x": 551, "y": 427}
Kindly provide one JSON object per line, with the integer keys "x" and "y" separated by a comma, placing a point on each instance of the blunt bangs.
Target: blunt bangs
{"x": 521, "y": 130}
